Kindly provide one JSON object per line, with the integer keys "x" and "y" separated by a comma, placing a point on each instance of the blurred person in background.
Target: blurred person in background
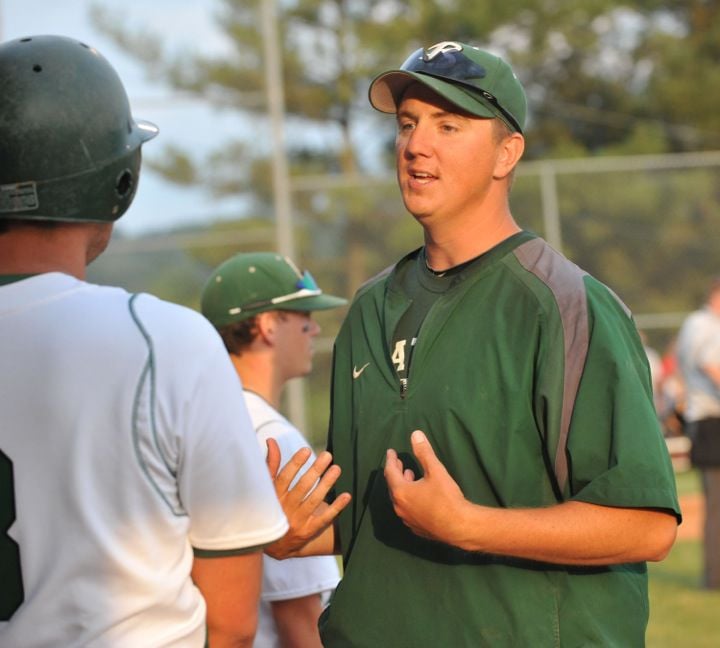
{"x": 673, "y": 392}
{"x": 262, "y": 305}
{"x": 698, "y": 349}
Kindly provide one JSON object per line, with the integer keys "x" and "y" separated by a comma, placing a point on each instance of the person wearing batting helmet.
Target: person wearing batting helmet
{"x": 134, "y": 499}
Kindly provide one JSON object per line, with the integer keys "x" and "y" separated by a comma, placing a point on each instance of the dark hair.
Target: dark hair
{"x": 501, "y": 130}
{"x": 238, "y": 336}
{"x": 7, "y": 224}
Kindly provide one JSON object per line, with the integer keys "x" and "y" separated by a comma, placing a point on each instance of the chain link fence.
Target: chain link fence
{"x": 647, "y": 226}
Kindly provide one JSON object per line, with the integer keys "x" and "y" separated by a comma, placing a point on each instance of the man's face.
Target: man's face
{"x": 296, "y": 332}
{"x": 446, "y": 158}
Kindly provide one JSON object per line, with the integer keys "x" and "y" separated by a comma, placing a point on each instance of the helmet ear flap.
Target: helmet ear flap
{"x": 125, "y": 184}
{"x": 70, "y": 145}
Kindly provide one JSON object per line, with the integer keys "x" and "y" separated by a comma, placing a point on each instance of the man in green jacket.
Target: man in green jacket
{"x": 491, "y": 409}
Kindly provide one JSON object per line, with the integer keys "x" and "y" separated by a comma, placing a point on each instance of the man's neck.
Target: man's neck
{"x": 27, "y": 248}
{"x": 257, "y": 375}
{"x": 447, "y": 247}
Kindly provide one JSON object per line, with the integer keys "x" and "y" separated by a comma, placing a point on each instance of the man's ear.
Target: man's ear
{"x": 510, "y": 151}
{"x": 266, "y": 324}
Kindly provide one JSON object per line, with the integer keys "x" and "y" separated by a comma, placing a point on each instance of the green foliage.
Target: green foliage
{"x": 170, "y": 274}
{"x": 595, "y": 70}
{"x": 636, "y": 232}
{"x": 684, "y": 89}
{"x": 602, "y": 76}
{"x": 176, "y": 165}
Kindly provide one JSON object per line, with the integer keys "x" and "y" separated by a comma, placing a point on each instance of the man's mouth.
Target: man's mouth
{"x": 421, "y": 176}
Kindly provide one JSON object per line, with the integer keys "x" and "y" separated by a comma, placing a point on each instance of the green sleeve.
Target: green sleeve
{"x": 617, "y": 454}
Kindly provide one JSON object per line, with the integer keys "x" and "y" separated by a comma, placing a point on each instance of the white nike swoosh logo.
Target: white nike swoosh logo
{"x": 357, "y": 372}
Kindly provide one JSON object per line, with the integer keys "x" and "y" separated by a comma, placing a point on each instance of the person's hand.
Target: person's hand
{"x": 432, "y": 506}
{"x": 304, "y": 504}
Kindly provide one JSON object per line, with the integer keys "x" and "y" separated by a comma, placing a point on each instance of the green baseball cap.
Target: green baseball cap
{"x": 251, "y": 283}
{"x": 476, "y": 81}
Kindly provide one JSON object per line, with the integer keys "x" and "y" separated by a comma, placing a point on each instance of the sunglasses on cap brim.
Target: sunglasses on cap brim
{"x": 306, "y": 287}
{"x": 454, "y": 66}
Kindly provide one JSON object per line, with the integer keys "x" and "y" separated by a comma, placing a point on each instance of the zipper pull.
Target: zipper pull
{"x": 403, "y": 387}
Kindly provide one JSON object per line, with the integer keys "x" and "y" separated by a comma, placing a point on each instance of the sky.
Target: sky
{"x": 186, "y": 123}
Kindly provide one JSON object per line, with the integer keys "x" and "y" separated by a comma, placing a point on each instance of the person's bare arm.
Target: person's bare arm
{"x": 296, "y": 621}
{"x": 571, "y": 533}
{"x": 231, "y": 589}
{"x": 310, "y": 518}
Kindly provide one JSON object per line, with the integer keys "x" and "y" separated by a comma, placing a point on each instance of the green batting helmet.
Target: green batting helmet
{"x": 251, "y": 283}
{"x": 69, "y": 146}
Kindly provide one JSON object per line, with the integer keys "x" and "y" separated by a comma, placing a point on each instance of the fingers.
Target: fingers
{"x": 311, "y": 491}
{"x": 312, "y": 487}
{"x": 309, "y": 517}
{"x": 319, "y": 470}
{"x": 291, "y": 468}
{"x": 328, "y": 513}
{"x": 423, "y": 451}
{"x": 301, "y": 491}
{"x": 393, "y": 469}
{"x": 273, "y": 457}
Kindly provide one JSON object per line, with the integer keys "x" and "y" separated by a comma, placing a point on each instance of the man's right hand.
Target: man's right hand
{"x": 309, "y": 516}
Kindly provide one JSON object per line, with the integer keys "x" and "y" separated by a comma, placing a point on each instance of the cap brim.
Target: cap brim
{"x": 305, "y": 304}
{"x": 319, "y": 302}
{"x": 387, "y": 89}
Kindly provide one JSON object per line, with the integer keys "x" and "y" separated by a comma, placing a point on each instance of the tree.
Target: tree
{"x": 332, "y": 50}
{"x": 602, "y": 76}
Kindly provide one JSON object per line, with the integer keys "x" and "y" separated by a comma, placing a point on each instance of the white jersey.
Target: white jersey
{"x": 293, "y": 577}
{"x": 125, "y": 444}
{"x": 698, "y": 344}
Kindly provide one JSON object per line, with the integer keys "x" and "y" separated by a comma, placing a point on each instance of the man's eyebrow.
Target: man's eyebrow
{"x": 437, "y": 114}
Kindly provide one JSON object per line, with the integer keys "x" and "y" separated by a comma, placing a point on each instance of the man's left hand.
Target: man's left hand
{"x": 432, "y": 506}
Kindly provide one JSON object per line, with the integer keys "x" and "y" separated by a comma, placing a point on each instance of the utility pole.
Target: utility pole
{"x": 276, "y": 111}
{"x": 281, "y": 176}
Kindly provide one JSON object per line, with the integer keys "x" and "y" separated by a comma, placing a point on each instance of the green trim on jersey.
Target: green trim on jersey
{"x": 225, "y": 553}
{"x": 144, "y": 428}
{"x": 13, "y": 278}
{"x": 532, "y": 385}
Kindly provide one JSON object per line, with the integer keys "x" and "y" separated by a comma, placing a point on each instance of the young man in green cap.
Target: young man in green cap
{"x": 261, "y": 305}
{"x": 491, "y": 408}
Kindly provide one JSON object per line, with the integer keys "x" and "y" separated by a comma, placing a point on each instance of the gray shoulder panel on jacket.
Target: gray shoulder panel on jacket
{"x": 566, "y": 282}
